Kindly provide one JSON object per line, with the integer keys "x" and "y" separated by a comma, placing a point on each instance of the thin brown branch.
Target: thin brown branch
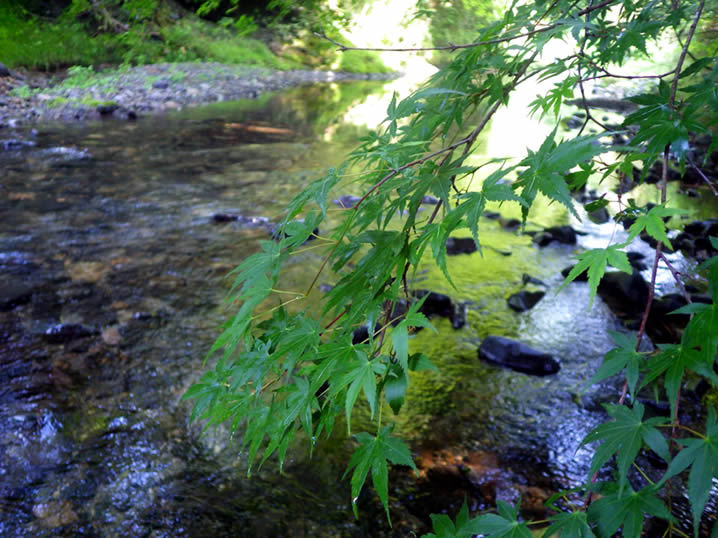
{"x": 589, "y": 116}
{"x": 676, "y": 276}
{"x": 592, "y": 8}
{"x": 703, "y": 177}
{"x": 608, "y": 74}
{"x": 451, "y": 47}
{"x": 664, "y": 184}
{"x": 684, "y": 52}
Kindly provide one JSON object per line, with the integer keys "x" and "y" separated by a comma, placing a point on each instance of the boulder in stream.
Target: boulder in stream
{"x": 524, "y": 300}
{"x": 224, "y": 217}
{"x": 438, "y": 304}
{"x": 626, "y": 295}
{"x": 561, "y": 234}
{"x": 460, "y": 245}
{"x": 517, "y": 356}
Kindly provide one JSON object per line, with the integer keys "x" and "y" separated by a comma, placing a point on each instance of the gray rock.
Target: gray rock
{"x": 524, "y": 300}
{"x": 517, "y": 356}
{"x": 460, "y": 245}
{"x": 66, "y": 332}
{"x": 626, "y": 295}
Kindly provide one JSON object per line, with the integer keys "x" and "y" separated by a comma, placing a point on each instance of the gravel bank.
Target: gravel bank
{"x": 142, "y": 90}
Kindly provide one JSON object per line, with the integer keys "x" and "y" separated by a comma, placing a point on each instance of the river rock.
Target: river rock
{"x": 509, "y": 224}
{"x": 626, "y": 295}
{"x": 66, "y": 332}
{"x": 524, "y": 300}
{"x": 224, "y": 217}
{"x": 636, "y": 260}
{"x": 528, "y": 279}
{"x": 107, "y": 109}
{"x": 460, "y": 245}
{"x": 517, "y": 356}
{"x": 54, "y": 514}
{"x": 582, "y": 277}
{"x": 702, "y": 228}
{"x": 438, "y": 304}
{"x": 599, "y": 216}
{"x": 561, "y": 234}
{"x": 13, "y": 292}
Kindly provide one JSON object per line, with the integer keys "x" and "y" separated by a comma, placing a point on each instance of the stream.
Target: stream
{"x": 112, "y": 280}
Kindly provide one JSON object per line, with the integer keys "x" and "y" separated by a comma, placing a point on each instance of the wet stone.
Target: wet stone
{"x": 460, "y": 245}
{"x": 517, "y": 356}
{"x": 13, "y": 292}
{"x": 524, "y": 300}
{"x": 54, "y": 514}
{"x": 626, "y": 295}
{"x": 562, "y": 234}
{"x": 66, "y": 332}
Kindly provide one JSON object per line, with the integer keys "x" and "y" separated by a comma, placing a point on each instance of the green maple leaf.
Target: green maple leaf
{"x": 701, "y": 455}
{"x": 595, "y": 261}
{"x": 652, "y": 223}
{"x": 572, "y": 524}
{"x": 619, "y": 358}
{"x": 505, "y": 524}
{"x": 625, "y": 435}
{"x": 372, "y": 455}
{"x": 626, "y": 509}
{"x": 464, "y": 528}
{"x": 546, "y": 168}
{"x": 361, "y": 376}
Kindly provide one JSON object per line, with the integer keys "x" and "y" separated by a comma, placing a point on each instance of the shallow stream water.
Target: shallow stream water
{"x": 112, "y": 280}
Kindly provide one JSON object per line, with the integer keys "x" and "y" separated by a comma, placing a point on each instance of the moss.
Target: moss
{"x": 57, "y": 101}
{"x": 86, "y": 424}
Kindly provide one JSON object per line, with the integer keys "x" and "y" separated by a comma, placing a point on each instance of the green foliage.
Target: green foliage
{"x": 26, "y": 41}
{"x": 594, "y": 261}
{"x": 701, "y": 455}
{"x": 626, "y": 509}
{"x": 625, "y": 436}
{"x": 284, "y": 368}
{"x": 372, "y": 454}
{"x": 454, "y": 23}
{"x": 127, "y": 33}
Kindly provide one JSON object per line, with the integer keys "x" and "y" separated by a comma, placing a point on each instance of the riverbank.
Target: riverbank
{"x": 82, "y": 94}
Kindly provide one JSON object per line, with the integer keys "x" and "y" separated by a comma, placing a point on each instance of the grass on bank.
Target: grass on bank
{"x": 42, "y": 44}
{"x": 32, "y": 43}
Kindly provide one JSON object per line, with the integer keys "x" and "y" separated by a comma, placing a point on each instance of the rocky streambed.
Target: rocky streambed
{"x": 82, "y": 94}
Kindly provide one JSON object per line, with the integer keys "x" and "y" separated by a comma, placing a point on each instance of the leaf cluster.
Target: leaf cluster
{"x": 285, "y": 369}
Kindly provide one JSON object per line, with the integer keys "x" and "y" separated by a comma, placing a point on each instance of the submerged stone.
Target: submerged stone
{"x": 517, "y": 356}
{"x": 66, "y": 332}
